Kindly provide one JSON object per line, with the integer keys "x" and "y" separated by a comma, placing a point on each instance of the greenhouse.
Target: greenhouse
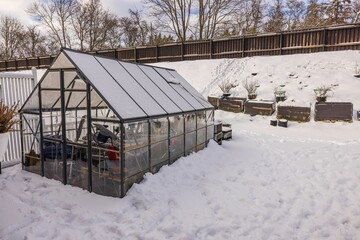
{"x": 100, "y": 124}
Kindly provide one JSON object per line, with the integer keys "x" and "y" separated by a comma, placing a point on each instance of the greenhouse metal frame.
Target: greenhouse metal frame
{"x": 103, "y": 123}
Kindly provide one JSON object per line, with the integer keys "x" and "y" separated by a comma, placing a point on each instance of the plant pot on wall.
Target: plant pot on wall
{"x": 321, "y": 99}
{"x": 226, "y": 95}
{"x": 252, "y": 95}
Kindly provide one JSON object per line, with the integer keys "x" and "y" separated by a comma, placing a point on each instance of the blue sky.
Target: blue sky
{"x": 16, "y": 8}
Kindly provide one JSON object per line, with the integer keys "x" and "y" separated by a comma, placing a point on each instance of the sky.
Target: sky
{"x": 17, "y": 8}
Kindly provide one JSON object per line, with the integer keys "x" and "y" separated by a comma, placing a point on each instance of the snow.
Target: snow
{"x": 268, "y": 182}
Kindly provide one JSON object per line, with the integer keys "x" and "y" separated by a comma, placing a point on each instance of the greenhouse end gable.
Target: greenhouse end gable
{"x": 101, "y": 124}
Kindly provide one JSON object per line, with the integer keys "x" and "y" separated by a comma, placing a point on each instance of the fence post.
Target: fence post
{"x": 324, "y": 39}
{"x": 211, "y": 48}
{"x": 243, "y": 46}
{"x": 156, "y": 53}
{"x": 182, "y": 51}
{"x": 26, "y": 63}
{"x": 115, "y": 55}
{"x": 281, "y": 43}
{"x": 135, "y": 55}
{"x": 6, "y": 65}
{"x": 38, "y": 62}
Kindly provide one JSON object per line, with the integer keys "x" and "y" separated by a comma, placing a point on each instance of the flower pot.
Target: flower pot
{"x": 226, "y": 95}
{"x": 280, "y": 99}
{"x": 273, "y": 122}
{"x": 252, "y": 95}
{"x": 283, "y": 123}
{"x": 4, "y": 139}
{"x": 321, "y": 99}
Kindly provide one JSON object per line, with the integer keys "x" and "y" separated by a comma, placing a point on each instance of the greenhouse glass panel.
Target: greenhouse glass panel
{"x": 136, "y": 161}
{"x": 109, "y": 88}
{"x": 190, "y": 142}
{"x": 31, "y": 143}
{"x": 160, "y": 97}
{"x": 176, "y": 147}
{"x": 190, "y": 89}
{"x": 190, "y": 122}
{"x": 201, "y": 119}
{"x": 180, "y": 89}
{"x": 167, "y": 89}
{"x": 176, "y": 125}
{"x": 159, "y": 152}
{"x": 136, "y": 135}
{"x": 132, "y": 87}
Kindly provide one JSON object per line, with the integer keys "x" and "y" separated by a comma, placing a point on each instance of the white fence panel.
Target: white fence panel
{"x": 15, "y": 87}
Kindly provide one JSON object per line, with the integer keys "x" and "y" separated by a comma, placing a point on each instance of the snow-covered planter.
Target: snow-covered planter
{"x": 293, "y": 113}
{"x": 265, "y": 107}
{"x": 334, "y": 111}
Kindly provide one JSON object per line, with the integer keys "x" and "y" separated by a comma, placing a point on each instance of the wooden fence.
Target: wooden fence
{"x": 334, "y": 38}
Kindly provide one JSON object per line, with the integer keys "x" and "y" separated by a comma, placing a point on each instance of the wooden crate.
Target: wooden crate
{"x": 217, "y": 127}
{"x": 293, "y": 113}
{"x": 265, "y": 107}
{"x": 235, "y": 105}
{"x": 214, "y": 101}
{"x": 227, "y": 133}
{"x": 334, "y": 111}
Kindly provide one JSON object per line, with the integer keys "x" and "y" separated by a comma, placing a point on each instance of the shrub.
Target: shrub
{"x": 7, "y": 115}
{"x": 250, "y": 86}
{"x": 322, "y": 91}
{"x": 227, "y": 85}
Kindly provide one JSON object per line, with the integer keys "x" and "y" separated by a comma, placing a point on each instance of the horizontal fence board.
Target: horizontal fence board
{"x": 333, "y": 38}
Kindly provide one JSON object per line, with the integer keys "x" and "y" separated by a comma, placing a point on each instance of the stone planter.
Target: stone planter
{"x": 4, "y": 140}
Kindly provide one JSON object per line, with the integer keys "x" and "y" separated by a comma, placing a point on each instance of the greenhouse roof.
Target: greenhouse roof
{"x": 132, "y": 91}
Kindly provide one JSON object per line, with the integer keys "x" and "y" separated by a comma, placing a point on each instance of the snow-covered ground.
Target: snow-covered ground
{"x": 299, "y": 182}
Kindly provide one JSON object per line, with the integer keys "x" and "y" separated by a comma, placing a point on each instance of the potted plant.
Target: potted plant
{"x": 7, "y": 122}
{"x": 357, "y": 71}
{"x": 280, "y": 94}
{"x": 251, "y": 87}
{"x": 322, "y": 93}
{"x": 226, "y": 86}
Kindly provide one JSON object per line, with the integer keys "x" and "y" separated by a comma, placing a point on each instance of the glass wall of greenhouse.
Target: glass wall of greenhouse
{"x": 100, "y": 124}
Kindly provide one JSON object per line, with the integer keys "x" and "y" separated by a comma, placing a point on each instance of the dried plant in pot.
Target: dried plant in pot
{"x": 7, "y": 122}
{"x": 322, "y": 92}
{"x": 226, "y": 86}
{"x": 251, "y": 86}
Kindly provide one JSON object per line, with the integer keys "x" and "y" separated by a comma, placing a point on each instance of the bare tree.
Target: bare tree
{"x": 249, "y": 16}
{"x": 276, "y": 21}
{"x": 129, "y": 31}
{"x": 102, "y": 26}
{"x": 314, "y": 15}
{"x": 338, "y": 11}
{"x": 11, "y": 37}
{"x": 211, "y": 13}
{"x": 355, "y": 11}
{"x": 34, "y": 43}
{"x": 55, "y": 15}
{"x": 295, "y": 13}
{"x": 80, "y": 24}
{"x": 172, "y": 15}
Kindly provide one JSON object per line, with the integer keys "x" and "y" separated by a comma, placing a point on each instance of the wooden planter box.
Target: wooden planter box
{"x": 232, "y": 104}
{"x": 227, "y": 133}
{"x": 334, "y": 111}
{"x": 214, "y": 101}
{"x": 292, "y": 113}
{"x": 254, "y": 107}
